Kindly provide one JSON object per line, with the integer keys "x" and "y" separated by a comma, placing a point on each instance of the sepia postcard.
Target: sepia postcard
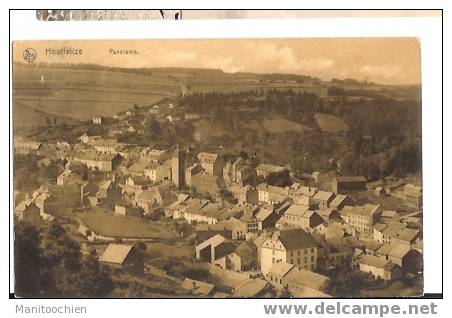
{"x": 218, "y": 168}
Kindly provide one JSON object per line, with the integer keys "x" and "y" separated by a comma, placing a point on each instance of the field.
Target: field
{"x": 124, "y": 227}
{"x": 82, "y": 94}
{"x": 330, "y": 123}
{"x": 276, "y": 124}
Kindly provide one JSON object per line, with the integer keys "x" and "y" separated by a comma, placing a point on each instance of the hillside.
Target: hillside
{"x": 82, "y": 94}
{"x": 24, "y": 116}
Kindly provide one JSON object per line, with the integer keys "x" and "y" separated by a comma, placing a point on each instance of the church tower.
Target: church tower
{"x": 178, "y": 162}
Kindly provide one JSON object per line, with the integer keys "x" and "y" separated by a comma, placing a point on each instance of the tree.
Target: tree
{"x": 28, "y": 262}
{"x": 348, "y": 282}
{"x": 153, "y": 127}
{"x": 93, "y": 281}
{"x": 279, "y": 179}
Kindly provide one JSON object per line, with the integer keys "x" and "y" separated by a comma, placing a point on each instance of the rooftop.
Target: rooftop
{"x": 115, "y": 253}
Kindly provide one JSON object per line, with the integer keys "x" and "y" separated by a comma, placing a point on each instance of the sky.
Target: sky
{"x": 381, "y": 60}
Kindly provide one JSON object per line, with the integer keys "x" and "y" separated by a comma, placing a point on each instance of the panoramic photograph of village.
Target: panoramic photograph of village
{"x": 232, "y": 168}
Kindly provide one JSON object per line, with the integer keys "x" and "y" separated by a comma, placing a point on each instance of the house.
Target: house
{"x": 25, "y": 147}
{"x": 330, "y": 215}
{"x": 152, "y": 156}
{"x": 394, "y": 233}
{"x": 342, "y": 185}
{"x": 241, "y": 258}
{"x": 214, "y": 248}
{"x": 263, "y": 169}
{"x": 124, "y": 257}
{"x": 194, "y": 169}
{"x": 97, "y": 120}
{"x": 211, "y": 163}
{"x": 333, "y": 252}
{"x": 210, "y": 213}
{"x": 232, "y": 228}
{"x": 197, "y": 287}
{"x": 237, "y": 172}
{"x": 413, "y": 195}
{"x": 304, "y": 200}
{"x": 29, "y": 212}
{"x": 379, "y": 267}
{"x": 340, "y": 201}
{"x": 284, "y": 275}
{"x": 207, "y": 183}
{"x": 104, "y": 162}
{"x": 157, "y": 172}
{"x": 106, "y": 145}
{"x": 389, "y": 217}
{"x": 68, "y": 177}
{"x": 271, "y": 194}
{"x": 362, "y": 218}
{"x": 323, "y": 199}
{"x": 267, "y": 216}
{"x": 155, "y": 197}
{"x": 58, "y": 199}
{"x": 137, "y": 169}
{"x": 137, "y": 182}
{"x": 205, "y": 231}
{"x": 294, "y": 246}
{"x": 246, "y": 194}
{"x": 190, "y": 206}
{"x": 308, "y": 191}
{"x": 409, "y": 259}
{"x": 126, "y": 210}
{"x": 300, "y": 216}
{"x": 380, "y": 191}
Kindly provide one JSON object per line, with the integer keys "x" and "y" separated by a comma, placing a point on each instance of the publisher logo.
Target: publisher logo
{"x": 30, "y": 55}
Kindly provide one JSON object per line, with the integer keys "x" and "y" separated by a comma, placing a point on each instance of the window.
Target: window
{"x": 312, "y": 258}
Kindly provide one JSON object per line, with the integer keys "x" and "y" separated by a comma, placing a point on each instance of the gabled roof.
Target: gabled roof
{"x": 295, "y": 239}
{"x": 323, "y": 195}
{"x": 297, "y": 210}
{"x": 205, "y": 157}
{"x": 365, "y": 210}
{"x": 399, "y": 250}
{"x": 280, "y": 268}
{"x": 264, "y": 213}
{"x": 115, "y": 253}
{"x": 407, "y": 234}
{"x": 214, "y": 241}
{"x": 350, "y": 179}
{"x": 339, "y": 199}
{"x": 307, "y": 278}
{"x": 304, "y": 200}
{"x": 376, "y": 261}
{"x": 380, "y": 227}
